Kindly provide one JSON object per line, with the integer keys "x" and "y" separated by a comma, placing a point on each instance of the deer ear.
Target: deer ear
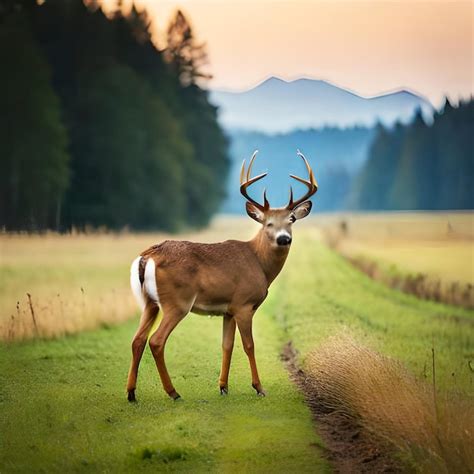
{"x": 302, "y": 210}
{"x": 254, "y": 212}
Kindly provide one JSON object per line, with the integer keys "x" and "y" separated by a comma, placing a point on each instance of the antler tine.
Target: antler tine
{"x": 312, "y": 184}
{"x": 266, "y": 204}
{"x": 310, "y": 171}
{"x": 249, "y": 169}
{"x": 246, "y": 181}
{"x": 242, "y": 172}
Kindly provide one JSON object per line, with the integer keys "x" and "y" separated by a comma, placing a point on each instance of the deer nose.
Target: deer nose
{"x": 284, "y": 240}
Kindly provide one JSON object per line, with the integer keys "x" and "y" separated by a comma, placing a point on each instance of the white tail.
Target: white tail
{"x": 135, "y": 283}
{"x": 150, "y": 281}
{"x": 149, "y": 284}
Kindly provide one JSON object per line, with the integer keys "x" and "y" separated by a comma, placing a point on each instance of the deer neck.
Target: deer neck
{"x": 271, "y": 258}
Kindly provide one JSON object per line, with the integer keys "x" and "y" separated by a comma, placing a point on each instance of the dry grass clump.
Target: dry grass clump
{"x": 434, "y": 432}
{"x": 54, "y": 315}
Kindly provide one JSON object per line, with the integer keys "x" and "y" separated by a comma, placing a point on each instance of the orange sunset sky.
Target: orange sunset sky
{"x": 368, "y": 47}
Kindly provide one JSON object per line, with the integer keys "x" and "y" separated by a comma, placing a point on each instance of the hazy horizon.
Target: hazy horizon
{"x": 369, "y": 48}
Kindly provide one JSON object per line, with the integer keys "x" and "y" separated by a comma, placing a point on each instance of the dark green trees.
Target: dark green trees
{"x": 421, "y": 166}
{"x": 456, "y": 174}
{"x": 206, "y": 188}
{"x": 128, "y": 130}
{"x": 33, "y": 157}
{"x": 370, "y": 187}
{"x": 130, "y": 159}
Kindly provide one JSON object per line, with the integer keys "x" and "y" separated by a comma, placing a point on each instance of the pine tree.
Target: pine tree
{"x": 183, "y": 53}
{"x": 206, "y": 192}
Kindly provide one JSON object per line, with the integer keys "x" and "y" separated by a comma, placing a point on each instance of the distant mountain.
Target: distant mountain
{"x": 277, "y": 106}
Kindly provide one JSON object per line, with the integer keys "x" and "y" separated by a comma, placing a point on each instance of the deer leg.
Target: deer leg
{"x": 138, "y": 345}
{"x": 170, "y": 320}
{"x": 245, "y": 328}
{"x": 228, "y": 334}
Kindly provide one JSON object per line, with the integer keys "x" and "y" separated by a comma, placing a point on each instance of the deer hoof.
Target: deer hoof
{"x": 258, "y": 388}
{"x": 174, "y": 395}
{"x": 224, "y": 390}
{"x": 131, "y": 396}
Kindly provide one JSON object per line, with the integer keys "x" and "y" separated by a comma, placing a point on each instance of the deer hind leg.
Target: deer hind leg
{"x": 138, "y": 345}
{"x": 244, "y": 323}
{"x": 171, "y": 318}
{"x": 228, "y": 335}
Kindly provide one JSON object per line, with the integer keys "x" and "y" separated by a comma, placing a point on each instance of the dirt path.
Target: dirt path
{"x": 349, "y": 447}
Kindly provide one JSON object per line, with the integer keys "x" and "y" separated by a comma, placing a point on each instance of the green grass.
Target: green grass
{"x": 63, "y": 404}
{"x": 63, "y": 407}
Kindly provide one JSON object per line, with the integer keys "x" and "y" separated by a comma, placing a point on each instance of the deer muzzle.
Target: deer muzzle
{"x": 283, "y": 239}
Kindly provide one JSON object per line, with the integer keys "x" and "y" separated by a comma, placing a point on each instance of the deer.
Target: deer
{"x": 229, "y": 279}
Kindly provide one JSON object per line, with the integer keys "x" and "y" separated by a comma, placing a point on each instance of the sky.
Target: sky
{"x": 367, "y": 47}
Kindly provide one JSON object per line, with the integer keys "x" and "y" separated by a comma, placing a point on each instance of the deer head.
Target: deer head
{"x": 277, "y": 222}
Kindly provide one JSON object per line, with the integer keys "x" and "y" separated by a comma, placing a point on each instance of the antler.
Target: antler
{"x": 246, "y": 181}
{"x": 311, "y": 184}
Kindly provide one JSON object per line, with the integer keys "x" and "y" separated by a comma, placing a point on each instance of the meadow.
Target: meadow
{"x": 430, "y": 255}
{"x": 439, "y": 244}
{"x": 62, "y": 400}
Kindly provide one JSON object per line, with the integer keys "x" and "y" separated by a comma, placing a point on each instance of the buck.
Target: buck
{"x": 230, "y": 278}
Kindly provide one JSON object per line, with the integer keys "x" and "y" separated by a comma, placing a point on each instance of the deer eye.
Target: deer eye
{"x": 270, "y": 224}
{"x": 292, "y": 219}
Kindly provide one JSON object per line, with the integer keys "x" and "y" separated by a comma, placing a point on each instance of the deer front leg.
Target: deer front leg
{"x": 170, "y": 320}
{"x": 228, "y": 335}
{"x": 138, "y": 345}
{"x": 244, "y": 323}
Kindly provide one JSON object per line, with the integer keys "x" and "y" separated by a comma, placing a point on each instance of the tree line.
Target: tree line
{"x": 99, "y": 126}
{"x": 419, "y": 165}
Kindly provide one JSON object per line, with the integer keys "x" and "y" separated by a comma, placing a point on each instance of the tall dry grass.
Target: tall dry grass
{"x": 58, "y": 314}
{"x": 433, "y": 431}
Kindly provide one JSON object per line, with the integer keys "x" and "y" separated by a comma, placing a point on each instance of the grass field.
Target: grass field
{"x": 63, "y": 405}
{"x": 438, "y": 244}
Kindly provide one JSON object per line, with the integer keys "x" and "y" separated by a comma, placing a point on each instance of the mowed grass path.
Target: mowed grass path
{"x": 63, "y": 406}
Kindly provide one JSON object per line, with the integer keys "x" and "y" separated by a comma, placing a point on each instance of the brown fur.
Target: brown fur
{"x": 233, "y": 273}
{"x": 230, "y": 278}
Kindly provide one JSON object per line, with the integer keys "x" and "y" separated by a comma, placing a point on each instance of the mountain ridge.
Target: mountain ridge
{"x": 325, "y": 81}
{"x": 276, "y": 105}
